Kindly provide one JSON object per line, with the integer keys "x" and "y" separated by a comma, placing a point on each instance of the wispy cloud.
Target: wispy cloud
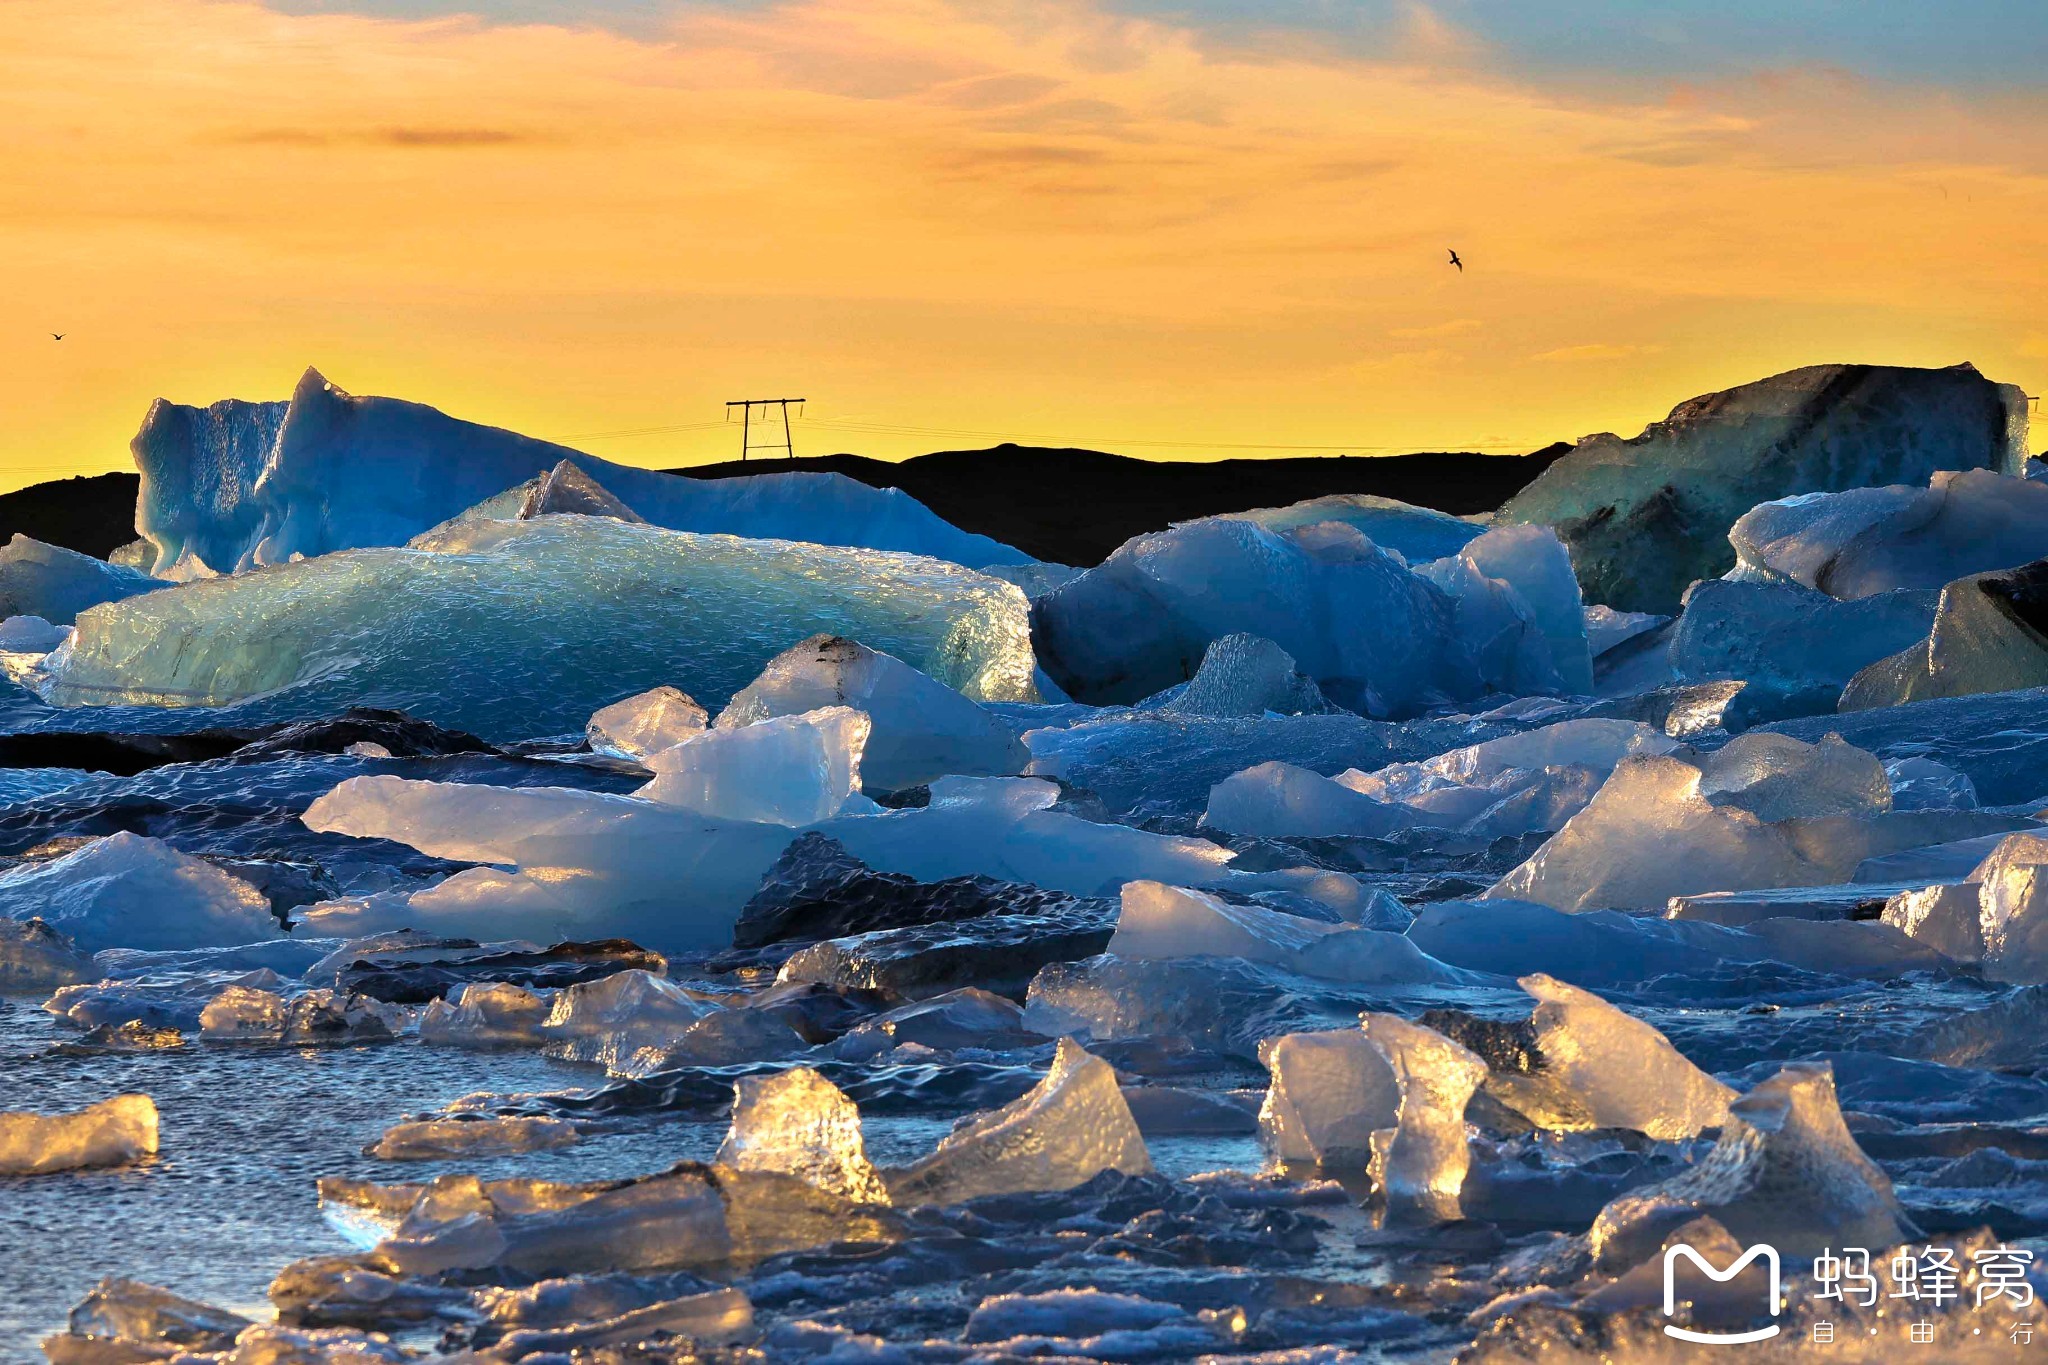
{"x": 1598, "y": 350}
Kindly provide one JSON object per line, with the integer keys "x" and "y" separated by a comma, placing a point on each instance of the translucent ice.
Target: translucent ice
{"x": 919, "y": 730}
{"x": 56, "y": 584}
{"x": 441, "y": 1139}
{"x": 30, "y": 635}
{"x": 1776, "y": 777}
{"x": 486, "y": 1014}
{"x": 33, "y": 956}
{"x": 1417, "y": 534}
{"x": 2012, "y": 889}
{"x": 801, "y": 1124}
{"x": 111, "y": 1133}
{"x": 134, "y": 1313}
{"x": 1142, "y": 620}
{"x": 246, "y": 484}
{"x": 1990, "y": 634}
{"x": 1791, "y": 637}
{"x": 1922, "y": 784}
{"x": 1247, "y": 675}
{"x": 131, "y": 891}
{"x": 785, "y": 770}
{"x": 619, "y": 1019}
{"x": 510, "y": 629}
{"x": 1872, "y": 540}
{"x": 1644, "y": 517}
{"x": 1330, "y": 1092}
{"x": 1280, "y": 800}
{"x": 645, "y": 724}
{"x": 1159, "y": 921}
{"x": 1534, "y": 562}
{"x": 1947, "y": 917}
{"x": 1072, "y": 1126}
{"x": 1785, "y": 1171}
{"x": 1624, "y": 1073}
{"x": 1389, "y": 1095}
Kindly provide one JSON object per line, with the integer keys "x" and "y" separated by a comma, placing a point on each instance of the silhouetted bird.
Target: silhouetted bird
{"x": 1458, "y": 263}
{"x": 56, "y": 336}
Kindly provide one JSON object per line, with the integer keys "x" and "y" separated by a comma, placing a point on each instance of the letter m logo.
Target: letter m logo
{"x": 1769, "y": 1255}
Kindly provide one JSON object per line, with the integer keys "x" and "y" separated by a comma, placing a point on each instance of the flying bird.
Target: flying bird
{"x": 1458, "y": 263}
{"x": 56, "y": 336}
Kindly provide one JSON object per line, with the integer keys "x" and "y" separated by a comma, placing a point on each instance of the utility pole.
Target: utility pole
{"x": 746, "y": 407}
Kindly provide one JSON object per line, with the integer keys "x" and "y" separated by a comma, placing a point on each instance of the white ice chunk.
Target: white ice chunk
{"x": 1608, "y": 629}
{"x": 2013, "y": 909}
{"x": 645, "y": 724}
{"x": 131, "y": 891}
{"x": 1072, "y": 1126}
{"x": 1330, "y": 1092}
{"x": 788, "y": 770}
{"x": 1920, "y": 783}
{"x": 801, "y": 1124}
{"x": 513, "y": 628}
{"x": 1535, "y": 563}
{"x": 1946, "y": 917}
{"x": 919, "y": 730}
{"x": 1865, "y": 541}
{"x": 1625, "y": 1073}
{"x": 111, "y": 1133}
{"x": 1776, "y": 777}
{"x": 1417, "y": 534}
{"x": 1280, "y": 800}
{"x": 243, "y": 1012}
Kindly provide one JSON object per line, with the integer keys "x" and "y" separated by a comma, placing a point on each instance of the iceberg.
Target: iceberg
{"x": 131, "y": 891}
{"x": 1072, "y": 1126}
{"x": 111, "y": 1133}
{"x": 1644, "y": 517}
{"x": 1622, "y": 1072}
{"x": 511, "y": 629}
{"x": 1990, "y": 634}
{"x": 798, "y": 1123}
{"x": 645, "y": 724}
{"x": 1143, "y": 619}
{"x": 1865, "y": 541}
{"x": 920, "y": 730}
{"x": 1417, "y": 534}
{"x": 55, "y": 584}
{"x": 242, "y": 485}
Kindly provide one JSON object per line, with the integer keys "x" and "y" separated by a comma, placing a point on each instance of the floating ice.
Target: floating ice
{"x": 442, "y": 1139}
{"x": 1990, "y": 634}
{"x": 111, "y": 1133}
{"x": 1159, "y": 921}
{"x": 1624, "y": 1073}
{"x": 30, "y": 635}
{"x": 1280, "y": 800}
{"x": 53, "y": 584}
{"x": 1644, "y": 517}
{"x": 132, "y": 891}
{"x": 1923, "y": 784}
{"x": 1785, "y": 1172}
{"x": 33, "y": 956}
{"x": 798, "y": 1123}
{"x": 244, "y": 484}
{"x": 711, "y": 1318}
{"x": 142, "y": 1315}
{"x": 1776, "y": 777}
{"x": 1142, "y": 620}
{"x": 645, "y": 724}
{"x": 1074, "y": 1125}
{"x": 620, "y": 1020}
{"x": 2012, "y": 891}
{"x": 920, "y": 731}
{"x": 1417, "y": 534}
{"x": 1535, "y": 563}
{"x": 1865, "y": 541}
{"x": 508, "y": 629}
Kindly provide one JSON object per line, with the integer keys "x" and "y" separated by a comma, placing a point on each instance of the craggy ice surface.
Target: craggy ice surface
{"x": 1330, "y": 933}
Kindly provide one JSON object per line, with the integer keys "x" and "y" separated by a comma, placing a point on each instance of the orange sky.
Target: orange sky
{"x": 1030, "y": 219}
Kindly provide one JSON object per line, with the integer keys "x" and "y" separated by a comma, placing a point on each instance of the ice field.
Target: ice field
{"x": 462, "y": 900}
